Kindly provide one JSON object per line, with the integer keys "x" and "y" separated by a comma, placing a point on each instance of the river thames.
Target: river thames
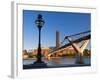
{"x": 59, "y": 61}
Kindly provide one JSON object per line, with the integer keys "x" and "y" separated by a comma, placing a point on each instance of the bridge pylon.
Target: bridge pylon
{"x": 79, "y": 50}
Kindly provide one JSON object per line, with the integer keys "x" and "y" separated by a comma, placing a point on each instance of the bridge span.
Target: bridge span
{"x": 83, "y": 37}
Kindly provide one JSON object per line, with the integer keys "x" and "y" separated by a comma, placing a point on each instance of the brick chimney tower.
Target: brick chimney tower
{"x": 57, "y": 39}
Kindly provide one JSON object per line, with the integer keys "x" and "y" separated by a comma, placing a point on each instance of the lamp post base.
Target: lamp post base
{"x": 40, "y": 64}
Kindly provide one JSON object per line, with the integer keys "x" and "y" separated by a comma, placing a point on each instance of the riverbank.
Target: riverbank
{"x": 33, "y": 66}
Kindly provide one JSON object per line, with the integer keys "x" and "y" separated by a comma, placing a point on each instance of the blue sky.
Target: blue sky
{"x": 66, "y": 23}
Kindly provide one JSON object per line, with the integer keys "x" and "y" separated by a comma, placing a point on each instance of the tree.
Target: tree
{"x": 25, "y": 52}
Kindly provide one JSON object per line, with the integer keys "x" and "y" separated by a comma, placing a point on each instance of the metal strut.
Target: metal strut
{"x": 79, "y": 50}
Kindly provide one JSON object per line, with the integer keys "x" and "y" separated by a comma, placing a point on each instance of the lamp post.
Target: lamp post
{"x": 39, "y": 23}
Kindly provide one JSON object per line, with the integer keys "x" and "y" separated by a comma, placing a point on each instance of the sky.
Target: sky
{"x": 66, "y": 23}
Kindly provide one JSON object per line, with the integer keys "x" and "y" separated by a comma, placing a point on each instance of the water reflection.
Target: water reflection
{"x": 58, "y": 61}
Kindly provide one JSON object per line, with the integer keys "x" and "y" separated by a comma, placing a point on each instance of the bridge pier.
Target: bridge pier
{"x": 49, "y": 57}
{"x": 79, "y": 59}
{"x": 79, "y": 50}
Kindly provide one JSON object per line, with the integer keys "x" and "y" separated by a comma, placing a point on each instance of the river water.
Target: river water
{"x": 58, "y": 61}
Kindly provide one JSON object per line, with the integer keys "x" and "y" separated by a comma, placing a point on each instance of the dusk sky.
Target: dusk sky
{"x": 65, "y": 22}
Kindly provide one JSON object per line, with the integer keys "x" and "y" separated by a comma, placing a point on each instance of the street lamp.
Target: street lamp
{"x": 39, "y": 23}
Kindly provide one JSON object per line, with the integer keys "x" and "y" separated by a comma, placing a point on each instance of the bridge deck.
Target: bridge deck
{"x": 75, "y": 41}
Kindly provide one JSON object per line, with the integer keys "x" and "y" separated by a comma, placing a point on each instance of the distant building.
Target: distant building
{"x": 44, "y": 51}
{"x": 25, "y": 54}
{"x": 57, "y": 39}
{"x": 67, "y": 51}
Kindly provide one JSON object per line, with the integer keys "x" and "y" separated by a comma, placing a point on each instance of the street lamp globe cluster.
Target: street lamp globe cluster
{"x": 39, "y": 23}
